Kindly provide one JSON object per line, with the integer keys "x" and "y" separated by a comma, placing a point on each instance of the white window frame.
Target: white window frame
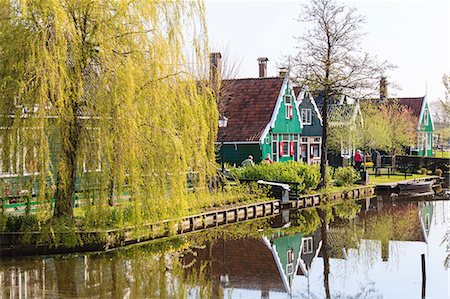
{"x": 307, "y": 245}
{"x": 276, "y": 143}
{"x": 290, "y": 262}
{"x": 306, "y": 116}
{"x": 285, "y": 138}
{"x": 429, "y": 140}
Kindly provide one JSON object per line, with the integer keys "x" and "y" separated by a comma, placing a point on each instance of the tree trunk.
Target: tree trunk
{"x": 325, "y": 251}
{"x": 67, "y": 169}
{"x": 324, "y": 153}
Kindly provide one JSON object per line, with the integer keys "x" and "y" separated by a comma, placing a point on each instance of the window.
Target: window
{"x": 287, "y": 100}
{"x": 307, "y": 245}
{"x": 275, "y": 147}
{"x": 304, "y": 139}
{"x": 315, "y": 150}
{"x": 290, "y": 261}
{"x": 425, "y": 117}
{"x": 429, "y": 140}
{"x": 306, "y": 116}
{"x": 289, "y": 112}
{"x": 284, "y": 146}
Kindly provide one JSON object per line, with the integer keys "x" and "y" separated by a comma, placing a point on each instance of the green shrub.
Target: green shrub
{"x": 423, "y": 170}
{"x": 345, "y": 176}
{"x": 307, "y": 176}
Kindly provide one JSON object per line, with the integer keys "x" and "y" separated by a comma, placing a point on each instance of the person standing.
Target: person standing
{"x": 248, "y": 162}
{"x": 358, "y": 160}
{"x": 267, "y": 159}
{"x": 375, "y": 157}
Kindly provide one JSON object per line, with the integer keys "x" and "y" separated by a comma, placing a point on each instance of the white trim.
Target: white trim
{"x": 422, "y": 111}
{"x": 422, "y": 225}
{"x": 284, "y": 277}
{"x": 280, "y": 99}
{"x": 319, "y": 115}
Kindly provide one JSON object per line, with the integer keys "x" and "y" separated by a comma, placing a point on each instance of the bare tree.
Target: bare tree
{"x": 330, "y": 61}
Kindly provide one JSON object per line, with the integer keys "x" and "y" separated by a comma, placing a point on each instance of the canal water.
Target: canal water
{"x": 366, "y": 249}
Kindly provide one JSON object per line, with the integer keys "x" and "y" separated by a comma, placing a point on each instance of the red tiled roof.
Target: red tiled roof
{"x": 415, "y": 104}
{"x": 248, "y": 104}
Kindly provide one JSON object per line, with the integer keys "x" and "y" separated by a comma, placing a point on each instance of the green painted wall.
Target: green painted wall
{"x": 235, "y": 154}
{"x": 282, "y": 246}
{"x": 283, "y": 125}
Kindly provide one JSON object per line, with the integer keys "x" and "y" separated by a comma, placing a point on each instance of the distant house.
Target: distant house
{"x": 343, "y": 112}
{"x": 263, "y": 118}
{"x": 423, "y": 121}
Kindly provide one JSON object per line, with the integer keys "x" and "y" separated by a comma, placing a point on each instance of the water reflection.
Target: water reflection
{"x": 370, "y": 250}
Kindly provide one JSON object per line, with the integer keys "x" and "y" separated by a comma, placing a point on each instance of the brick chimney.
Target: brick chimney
{"x": 215, "y": 69}
{"x": 383, "y": 88}
{"x": 283, "y": 72}
{"x": 262, "y": 61}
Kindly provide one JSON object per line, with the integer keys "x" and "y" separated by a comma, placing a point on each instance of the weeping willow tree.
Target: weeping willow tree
{"x": 99, "y": 95}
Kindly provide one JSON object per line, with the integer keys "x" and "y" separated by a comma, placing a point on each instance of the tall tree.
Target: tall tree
{"x": 102, "y": 89}
{"x": 387, "y": 127}
{"x": 330, "y": 61}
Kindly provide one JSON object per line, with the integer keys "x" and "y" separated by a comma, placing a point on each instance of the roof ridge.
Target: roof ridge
{"x": 258, "y": 78}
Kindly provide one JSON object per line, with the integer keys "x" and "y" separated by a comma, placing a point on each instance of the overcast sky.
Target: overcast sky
{"x": 413, "y": 35}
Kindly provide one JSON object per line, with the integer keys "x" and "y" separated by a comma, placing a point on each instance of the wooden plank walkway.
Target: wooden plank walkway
{"x": 115, "y": 238}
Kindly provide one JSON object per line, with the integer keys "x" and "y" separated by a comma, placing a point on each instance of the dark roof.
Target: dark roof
{"x": 249, "y": 263}
{"x": 415, "y": 104}
{"x": 248, "y": 104}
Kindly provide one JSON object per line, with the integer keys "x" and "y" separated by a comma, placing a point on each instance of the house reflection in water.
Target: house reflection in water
{"x": 268, "y": 264}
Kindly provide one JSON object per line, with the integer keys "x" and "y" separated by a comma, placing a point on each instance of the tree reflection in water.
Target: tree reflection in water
{"x": 263, "y": 257}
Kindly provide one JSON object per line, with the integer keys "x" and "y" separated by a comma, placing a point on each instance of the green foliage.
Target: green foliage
{"x": 423, "y": 171}
{"x": 387, "y": 126}
{"x": 308, "y": 221}
{"x": 110, "y": 98}
{"x": 308, "y": 176}
{"x": 346, "y": 209}
{"x": 345, "y": 176}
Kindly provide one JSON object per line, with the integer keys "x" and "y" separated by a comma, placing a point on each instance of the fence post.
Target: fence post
{"x": 28, "y": 206}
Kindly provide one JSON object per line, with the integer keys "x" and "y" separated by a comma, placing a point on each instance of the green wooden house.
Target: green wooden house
{"x": 263, "y": 118}
{"x": 423, "y": 122}
{"x": 311, "y": 139}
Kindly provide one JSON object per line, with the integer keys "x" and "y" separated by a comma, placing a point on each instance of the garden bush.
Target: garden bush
{"x": 308, "y": 176}
{"x": 345, "y": 176}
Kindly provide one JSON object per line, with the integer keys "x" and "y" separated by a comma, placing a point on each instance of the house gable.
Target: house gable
{"x": 281, "y": 121}
{"x": 306, "y": 101}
